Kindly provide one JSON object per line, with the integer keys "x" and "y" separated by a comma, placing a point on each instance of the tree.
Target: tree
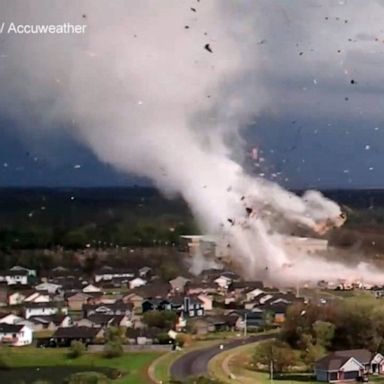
{"x": 113, "y": 349}
{"x": 115, "y": 337}
{"x": 160, "y": 319}
{"x": 276, "y": 352}
{"x": 76, "y": 349}
{"x": 324, "y": 333}
{"x": 115, "y": 334}
{"x": 312, "y": 354}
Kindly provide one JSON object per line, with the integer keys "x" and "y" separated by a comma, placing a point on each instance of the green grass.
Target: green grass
{"x": 134, "y": 365}
{"x": 163, "y": 365}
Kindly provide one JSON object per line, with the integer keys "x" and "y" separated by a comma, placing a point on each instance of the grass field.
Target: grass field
{"x": 232, "y": 367}
{"x": 133, "y": 365}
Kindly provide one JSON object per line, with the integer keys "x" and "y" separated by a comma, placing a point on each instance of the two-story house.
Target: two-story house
{"x": 44, "y": 309}
{"x": 15, "y": 334}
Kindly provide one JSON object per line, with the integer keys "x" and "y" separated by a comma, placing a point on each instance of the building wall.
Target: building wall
{"x": 29, "y": 312}
{"x": 321, "y": 375}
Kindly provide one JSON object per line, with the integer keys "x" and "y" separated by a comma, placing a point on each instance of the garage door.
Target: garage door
{"x": 351, "y": 375}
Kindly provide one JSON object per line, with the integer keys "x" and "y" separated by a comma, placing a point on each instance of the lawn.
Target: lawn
{"x": 133, "y": 365}
{"x": 232, "y": 367}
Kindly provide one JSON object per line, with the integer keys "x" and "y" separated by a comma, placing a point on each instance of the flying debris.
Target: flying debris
{"x": 77, "y": 166}
{"x": 249, "y": 211}
{"x": 353, "y": 81}
{"x": 208, "y": 48}
{"x": 193, "y": 9}
{"x": 84, "y": 16}
{"x": 301, "y": 53}
{"x": 231, "y": 221}
{"x": 186, "y": 27}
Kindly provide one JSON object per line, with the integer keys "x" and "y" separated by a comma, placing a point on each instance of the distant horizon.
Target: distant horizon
{"x": 64, "y": 187}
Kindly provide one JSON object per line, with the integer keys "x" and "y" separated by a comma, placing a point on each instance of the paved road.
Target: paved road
{"x": 195, "y": 363}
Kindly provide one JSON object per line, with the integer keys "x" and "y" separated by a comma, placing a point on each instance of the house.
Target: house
{"x": 18, "y": 268}
{"x": 104, "y": 320}
{"x": 77, "y": 300}
{"x": 137, "y": 282}
{"x": 178, "y": 284}
{"x": 207, "y": 301}
{"x": 277, "y": 311}
{"x": 38, "y": 297}
{"x": 11, "y": 318}
{"x": 377, "y": 364}
{"x": 154, "y": 289}
{"x": 190, "y": 306}
{"x": 343, "y": 365}
{"x": 63, "y": 337}
{"x": 15, "y": 334}
{"x": 90, "y": 288}
{"x": 49, "y": 287}
{"x": 134, "y": 299}
{"x": 118, "y": 308}
{"x": 223, "y": 281}
{"x": 204, "y": 325}
{"x": 241, "y": 286}
{"x": 17, "y": 277}
{"x": 16, "y": 298}
{"x": 144, "y": 272}
{"x": 43, "y": 309}
{"x": 195, "y": 288}
{"x": 156, "y": 305}
{"x": 50, "y": 322}
{"x": 108, "y": 273}
{"x": 240, "y": 319}
{"x": 253, "y": 293}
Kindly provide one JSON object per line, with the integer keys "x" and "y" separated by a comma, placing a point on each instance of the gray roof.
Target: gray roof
{"x": 334, "y": 361}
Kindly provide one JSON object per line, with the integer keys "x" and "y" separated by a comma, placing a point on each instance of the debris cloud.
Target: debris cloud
{"x": 142, "y": 92}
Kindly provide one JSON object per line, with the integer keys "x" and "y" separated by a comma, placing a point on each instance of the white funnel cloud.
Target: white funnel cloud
{"x": 141, "y": 89}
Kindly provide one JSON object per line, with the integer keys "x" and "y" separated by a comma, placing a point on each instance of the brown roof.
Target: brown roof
{"x": 334, "y": 361}
{"x": 76, "y": 332}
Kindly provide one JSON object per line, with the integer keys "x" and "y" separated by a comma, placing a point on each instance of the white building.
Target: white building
{"x": 108, "y": 274}
{"x": 137, "y": 282}
{"x": 223, "y": 282}
{"x": 90, "y": 288}
{"x": 49, "y": 287}
{"x": 43, "y": 309}
{"x": 16, "y": 298}
{"x": 11, "y": 319}
{"x": 15, "y": 334}
{"x": 37, "y": 297}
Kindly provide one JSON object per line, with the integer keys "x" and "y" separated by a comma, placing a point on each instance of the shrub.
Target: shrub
{"x": 112, "y": 349}
{"x": 88, "y": 378}
{"x": 76, "y": 349}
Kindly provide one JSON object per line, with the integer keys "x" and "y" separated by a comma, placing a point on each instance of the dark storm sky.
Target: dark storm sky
{"x": 321, "y": 68}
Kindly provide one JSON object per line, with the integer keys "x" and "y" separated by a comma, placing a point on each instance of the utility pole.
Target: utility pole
{"x": 245, "y": 324}
{"x": 271, "y": 370}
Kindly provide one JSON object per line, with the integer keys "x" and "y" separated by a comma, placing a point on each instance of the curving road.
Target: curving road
{"x": 195, "y": 363}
